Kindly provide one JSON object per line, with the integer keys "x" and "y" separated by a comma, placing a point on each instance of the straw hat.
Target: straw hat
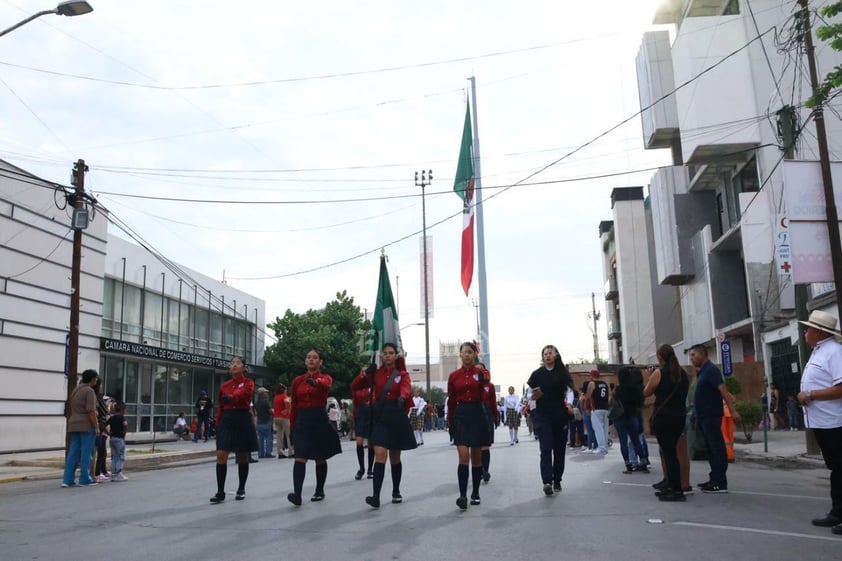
{"x": 823, "y": 321}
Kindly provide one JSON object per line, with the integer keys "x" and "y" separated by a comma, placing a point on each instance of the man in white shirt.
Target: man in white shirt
{"x": 821, "y": 396}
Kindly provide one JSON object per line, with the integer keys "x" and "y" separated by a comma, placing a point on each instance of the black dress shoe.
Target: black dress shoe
{"x": 252, "y": 460}
{"x": 661, "y": 485}
{"x": 486, "y": 477}
{"x": 828, "y": 521}
{"x": 318, "y": 496}
{"x": 359, "y": 475}
{"x": 241, "y": 494}
{"x": 475, "y": 500}
{"x": 397, "y": 498}
{"x": 837, "y": 529}
{"x": 672, "y": 496}
{"x": 462, "y": 502}
{"x": 294, "y": 499}
{"x": 373, "y": 502}
{"x": 218, "y": 498}
{"x": 557, "y": 486}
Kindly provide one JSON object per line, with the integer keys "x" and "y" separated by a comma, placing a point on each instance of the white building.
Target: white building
{"x": 715, "y": 211}
{"x": 156, "y": 337}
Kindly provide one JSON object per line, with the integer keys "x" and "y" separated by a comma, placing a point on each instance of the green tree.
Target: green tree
{"x": 437, "y": 397}
{"x": 337, "y": 331}
{"x": 831, "y": 34}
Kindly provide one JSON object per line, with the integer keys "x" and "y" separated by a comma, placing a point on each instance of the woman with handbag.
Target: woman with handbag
{"x": 391, "y": 390}
{"x": 630, "y": 398}
{"x": 669, "y": 384}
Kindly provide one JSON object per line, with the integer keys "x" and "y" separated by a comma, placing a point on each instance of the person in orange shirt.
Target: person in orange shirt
{"x": 282, "y": 407}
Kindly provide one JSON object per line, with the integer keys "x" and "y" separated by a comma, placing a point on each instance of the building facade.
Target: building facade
{"x": 720, "y": 92}
{"x": 157, "y": 334}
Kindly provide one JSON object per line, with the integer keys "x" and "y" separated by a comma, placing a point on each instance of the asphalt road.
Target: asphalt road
{"x": 600, "y": 515}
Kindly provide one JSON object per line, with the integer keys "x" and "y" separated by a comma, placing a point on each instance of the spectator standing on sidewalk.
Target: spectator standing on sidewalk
{"x": 263, "y": 411}
{"x": 598, "y": 401}
{"x": 83, "y": 427}
{"x": 101, "y": 472}
{"x": 708, "y": 400}
{"x": 117, "y": 427}
{"x": 281, "y": 408}
{"x": 204, "y": 406}
{"x": 235, "y": 430}
{"x": 821, "y": 396}
{"x": 792, "y": 412}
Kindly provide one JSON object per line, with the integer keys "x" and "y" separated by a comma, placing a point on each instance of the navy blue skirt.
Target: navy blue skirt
{"x": 471, "y": 426}
{"x": 391, "y": 428}
{"x": 236, "y": 431}
{"x": 362, "y": 421}
{"x": 314, "y": 438}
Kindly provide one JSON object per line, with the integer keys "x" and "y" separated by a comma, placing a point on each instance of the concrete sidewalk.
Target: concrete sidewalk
{"x": 140, "y": 456}
{"x": 786, "y": 449}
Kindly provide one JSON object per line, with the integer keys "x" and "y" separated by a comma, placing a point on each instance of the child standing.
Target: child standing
{"x": 117, "y": 426}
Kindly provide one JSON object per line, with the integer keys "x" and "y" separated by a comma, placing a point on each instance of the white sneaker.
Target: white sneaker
{"x": 117, "y": 477}
{"x": 102, "y": 477}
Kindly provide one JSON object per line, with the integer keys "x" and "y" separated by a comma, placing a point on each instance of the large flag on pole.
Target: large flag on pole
{"x": 384, "y": 323}
{"x": 464, "y": 187}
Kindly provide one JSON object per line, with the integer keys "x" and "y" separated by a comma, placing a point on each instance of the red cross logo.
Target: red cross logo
{"x": 786, "y": 266}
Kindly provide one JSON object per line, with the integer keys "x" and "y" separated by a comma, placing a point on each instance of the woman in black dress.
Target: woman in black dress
{"x": 392, "y": 432}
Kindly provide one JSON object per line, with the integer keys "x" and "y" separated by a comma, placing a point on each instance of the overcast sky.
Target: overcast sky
{"x": 316, "y": 102}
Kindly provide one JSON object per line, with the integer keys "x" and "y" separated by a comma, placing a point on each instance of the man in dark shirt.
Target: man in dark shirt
{"x": 707, "y": 400}
{"x": 598, "y": 400}
{"x": 204, "y": 407}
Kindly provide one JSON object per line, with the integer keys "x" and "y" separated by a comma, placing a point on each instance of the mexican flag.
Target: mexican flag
{"x": 384, "y": 323}
{"x": 464, "y": 187}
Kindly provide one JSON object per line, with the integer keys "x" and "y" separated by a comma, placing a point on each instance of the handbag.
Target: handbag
{"x": 615, "y": 408}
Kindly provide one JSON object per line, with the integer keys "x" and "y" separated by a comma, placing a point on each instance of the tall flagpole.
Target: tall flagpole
{"x": 485, "y": 348}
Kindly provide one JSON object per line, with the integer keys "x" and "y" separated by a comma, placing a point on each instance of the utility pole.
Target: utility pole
{"x": 78, "y": 202}
{"x": 594, "y": 315}
{"x": 830, "y": 201}
{"x": 824, "y": 160}
{"x": 425, "y": 179}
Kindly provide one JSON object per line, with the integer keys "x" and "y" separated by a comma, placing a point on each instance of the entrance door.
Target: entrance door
{"x": 786, "y": 370}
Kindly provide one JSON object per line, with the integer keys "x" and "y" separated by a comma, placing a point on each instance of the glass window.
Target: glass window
{"x": 201, "y": 336}
{"x": 131, "y": 417}
{"x": 185, "y": 324}
{"x": 152, "y": 318}
{"x": 160, "y": 384}
{"x": 215, "y": 346}
{"x": 178, "y": 380}
{"x": 108, "y": 299}
{"x": 229, "y": 336}
{"x": 131, "y": 381}
{"x": 203, "y": 381}
{"x": 114, "y": 378}
{"x": 131, "y": 313}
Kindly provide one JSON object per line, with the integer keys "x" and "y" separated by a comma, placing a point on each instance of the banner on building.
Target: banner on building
{"x": 807, "y": 219}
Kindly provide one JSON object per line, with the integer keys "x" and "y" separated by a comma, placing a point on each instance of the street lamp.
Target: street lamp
{"x": 412, "y": 324}
{"x": 425, "y": 179}
{"x": 70, "y": 8}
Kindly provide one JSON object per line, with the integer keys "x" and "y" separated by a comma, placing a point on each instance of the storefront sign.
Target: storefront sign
{"x": 145, "y": 351}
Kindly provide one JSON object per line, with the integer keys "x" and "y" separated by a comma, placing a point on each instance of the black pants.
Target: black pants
{"x": 668, "y": 430}
{"x": 830, "y": 442}
{"x": 551, "y": 431}
{"x": 100, "y": 467}
{"x": 715, "y": 442}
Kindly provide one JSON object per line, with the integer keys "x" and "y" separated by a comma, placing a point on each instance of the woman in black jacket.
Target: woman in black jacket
{"x": 549, "y": 386}
{"x": 628, "y": 427}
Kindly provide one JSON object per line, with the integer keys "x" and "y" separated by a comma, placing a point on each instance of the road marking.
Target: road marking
{"x": 699, "y": 491}
{"x": 757, "y": 531}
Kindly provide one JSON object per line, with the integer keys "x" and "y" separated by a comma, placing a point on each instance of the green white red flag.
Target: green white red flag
{"x": 464, "y": 187}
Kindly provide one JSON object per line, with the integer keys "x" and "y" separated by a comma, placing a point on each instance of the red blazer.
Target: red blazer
{"x": 401, "y": 387}
{"x": 303, "y": 394}
{"x": 463, "y": 386}
{"x": 240, "y": 389}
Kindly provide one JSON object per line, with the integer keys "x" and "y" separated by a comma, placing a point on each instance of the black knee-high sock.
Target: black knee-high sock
{"x": 476, "y": 477}
{"x": 370, "y": 458}
{"x": 379, "y": 473}
{"x": 361, "y": 457}
{"x": 321, "y": 476}
{"x": 221, "y": 472}
{"x": 462, "y": 474}
{"x": 486, "y": 460}
{"x": 243, "y": 473}
{"x": 397, "y": 470}
{"x": 298, "y": 472}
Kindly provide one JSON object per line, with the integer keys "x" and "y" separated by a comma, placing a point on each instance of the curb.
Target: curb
{"x": 802, "y": 461}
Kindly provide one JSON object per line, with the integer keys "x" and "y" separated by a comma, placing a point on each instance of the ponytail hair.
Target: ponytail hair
{"x": 667, "y": 354}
